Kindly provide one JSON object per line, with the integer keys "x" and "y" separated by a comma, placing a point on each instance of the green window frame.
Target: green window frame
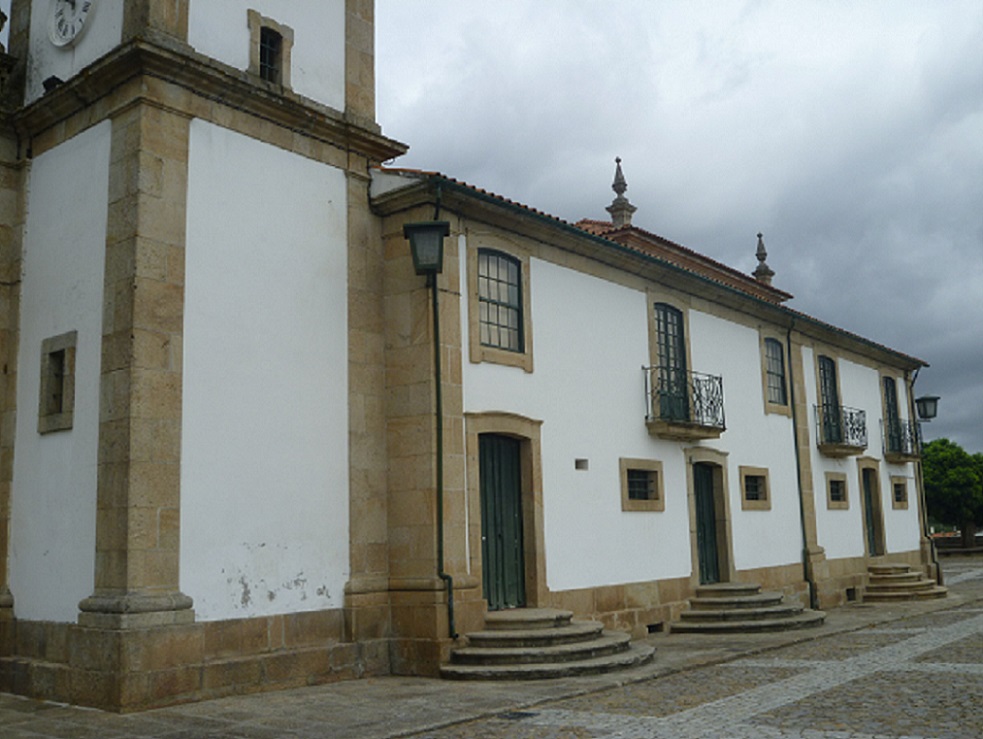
{"x": 775, "y": 372}
{"x": 500, "y": 318}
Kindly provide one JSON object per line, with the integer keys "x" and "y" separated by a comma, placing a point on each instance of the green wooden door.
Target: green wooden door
{"x": 870, "y": 489}
{"x": 503, "y": 571}
{"x": 706, "y": 524}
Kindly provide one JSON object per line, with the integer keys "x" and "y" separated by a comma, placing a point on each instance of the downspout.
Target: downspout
{"x": 920, "y": 479}
{"x": 806, "y": 567}
{"x": 448, "y": 580}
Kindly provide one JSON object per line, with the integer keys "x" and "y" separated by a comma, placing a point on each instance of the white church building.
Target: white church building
{"x": 221, "y": 469}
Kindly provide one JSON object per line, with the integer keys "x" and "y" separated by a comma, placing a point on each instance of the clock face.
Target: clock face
{"x": 68, "y": 20}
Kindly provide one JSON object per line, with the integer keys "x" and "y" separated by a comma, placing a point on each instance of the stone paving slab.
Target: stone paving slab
{"x": 891, "y": 670}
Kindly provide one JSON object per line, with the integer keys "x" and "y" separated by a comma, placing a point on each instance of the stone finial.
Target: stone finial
{"x": 763, "y": 273}
{"x": 620, "y": 209}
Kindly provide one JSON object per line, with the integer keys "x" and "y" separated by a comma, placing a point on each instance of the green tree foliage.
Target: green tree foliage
{"x": 954, "y": 486}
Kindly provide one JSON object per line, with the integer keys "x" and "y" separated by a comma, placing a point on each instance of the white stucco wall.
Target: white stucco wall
{"x": 588, "y": 388}
{"x": 841, "y": 532}
{"x": 219, "y": 29}
{"x": 53, "y": 506}
{"x": 264, "y": 453}
{"x": 761, "y": 538}
{"x": 103, "y": 31}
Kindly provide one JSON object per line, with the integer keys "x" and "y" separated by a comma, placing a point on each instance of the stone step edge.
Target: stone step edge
{"x": 895, "y": 577}
{"x": 900, "y": 587}
{"x": 888, "y": 569}
{"x": 743, "y": 614}
{"x": 727, "y": 589}
{"x": 634, "y": 656}
{"x": 736, "y": 601}
{"x": 609, "y": 643}
{"x": 575, "y": 631}
{"x": 527, "y": 618}
{"x": 803, "y": 620}
{"x": 936, "y": 592}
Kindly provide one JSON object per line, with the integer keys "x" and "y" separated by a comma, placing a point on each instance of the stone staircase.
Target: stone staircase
{"x": 541, "y": 643}
{"x": 888, "y": 583}
{"x": 742, "y": 607}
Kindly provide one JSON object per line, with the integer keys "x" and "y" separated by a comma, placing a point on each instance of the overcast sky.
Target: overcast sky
{"x": 850, "y": 133}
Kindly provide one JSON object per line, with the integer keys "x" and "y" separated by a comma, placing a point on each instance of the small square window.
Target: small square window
{"x": 836, "y": 491}
{"x": 56, "y": 404}
{"x": 641, "y": 485}
{"x": 755, "y": 495}
{"x": 899, "y": 490}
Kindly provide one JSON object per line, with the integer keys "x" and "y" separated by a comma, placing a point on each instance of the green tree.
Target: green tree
{"x": 954, "y": 486}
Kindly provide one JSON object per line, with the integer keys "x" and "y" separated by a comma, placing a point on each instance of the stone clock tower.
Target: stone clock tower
{"x": 190, "y": 315}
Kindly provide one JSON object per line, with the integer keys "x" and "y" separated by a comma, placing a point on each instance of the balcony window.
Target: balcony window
{"x": 684, "y": 405}
{"x": 840, "y": 431}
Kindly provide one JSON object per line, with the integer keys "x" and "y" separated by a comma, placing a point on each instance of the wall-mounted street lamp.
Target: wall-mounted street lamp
{"x": 427, "y": 246}
{"x": 927, "y": 407}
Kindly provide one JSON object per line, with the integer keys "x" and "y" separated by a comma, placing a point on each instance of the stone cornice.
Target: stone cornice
{"x": 176, "y": 64}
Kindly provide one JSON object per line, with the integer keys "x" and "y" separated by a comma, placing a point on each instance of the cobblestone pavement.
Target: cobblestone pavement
{"x": 901, "y": 671}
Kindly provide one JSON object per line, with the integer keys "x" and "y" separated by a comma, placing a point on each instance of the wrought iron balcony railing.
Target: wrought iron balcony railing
{"x": 684, "y": 404}
{"x": 842, "y": 431}
{"x": 902, "y": 440}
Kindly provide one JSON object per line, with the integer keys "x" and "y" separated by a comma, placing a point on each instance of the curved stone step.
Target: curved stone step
{"x": 935, "y": 591}
{"x": 888, "y": 568}
{"x": 900, "y": 587}
{"x": 728, "y": 590}
{"x": 787, "y": 610}
{"x": 898, "y": 577}
{"x": 634, "y": 656}
{"x": 803, "y": 620}
{"x": 527, "y": 618}
{"x": 759, "y": 600}
{"x": 575, "y": 631}
{"x": 606, "y": 644}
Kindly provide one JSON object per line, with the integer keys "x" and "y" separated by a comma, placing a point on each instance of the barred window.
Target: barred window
{"x": 754, "y": 487}
{"x": 500, "y": 301}
{"x": 775, "y": 369}
{"x": 643, "y": 484}
{"x": 270, "y": 54}
{"x": 837, "y": 491}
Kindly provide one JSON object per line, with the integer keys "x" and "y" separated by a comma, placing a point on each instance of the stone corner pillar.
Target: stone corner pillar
{"x": 138, "y": 478}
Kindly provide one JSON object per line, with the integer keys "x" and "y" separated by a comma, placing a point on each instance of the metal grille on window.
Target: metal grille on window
{"x": 900, "y": 492}
{"x": 500, "y": 301}
{"x": 775, "y": 368}
{"x": 641, "y": 485}
{"x": 754, "y": 487}
{"x": 837, "y": 491}
{"x": 270, "y": 54}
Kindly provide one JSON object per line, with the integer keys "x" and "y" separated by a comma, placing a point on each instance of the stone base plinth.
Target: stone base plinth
{"x": 131, "y": 669}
